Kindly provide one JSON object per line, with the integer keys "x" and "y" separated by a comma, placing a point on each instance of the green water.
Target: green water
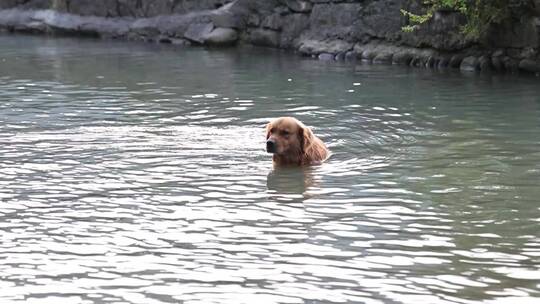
{"x": 136, "y": 173}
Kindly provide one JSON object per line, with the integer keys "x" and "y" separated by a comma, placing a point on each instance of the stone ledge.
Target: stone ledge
{"x": 195, "y": 27}
{"x": 255, "y": 22}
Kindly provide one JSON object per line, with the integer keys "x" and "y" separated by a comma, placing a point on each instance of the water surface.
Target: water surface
{"x": 136, "y": 173}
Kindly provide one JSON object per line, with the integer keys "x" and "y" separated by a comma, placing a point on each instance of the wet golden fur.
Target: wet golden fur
{"x": 296, "y": 143}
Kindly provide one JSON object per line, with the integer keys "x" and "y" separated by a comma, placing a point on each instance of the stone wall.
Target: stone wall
{"x": 117, "y": 8}
{"x": 367, "y": 30}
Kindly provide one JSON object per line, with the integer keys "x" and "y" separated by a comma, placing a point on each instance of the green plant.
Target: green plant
{"x": 480, "y": 14}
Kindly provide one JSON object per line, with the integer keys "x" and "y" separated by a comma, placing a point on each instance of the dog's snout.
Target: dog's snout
{"x": 270, "y": 146}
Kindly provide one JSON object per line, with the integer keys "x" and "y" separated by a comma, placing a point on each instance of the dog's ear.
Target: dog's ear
{"x": 267, "y": 128}
{"x": 306, "y": 139}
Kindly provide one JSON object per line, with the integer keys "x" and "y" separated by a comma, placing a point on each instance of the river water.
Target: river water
{"x": 136, "y": 173}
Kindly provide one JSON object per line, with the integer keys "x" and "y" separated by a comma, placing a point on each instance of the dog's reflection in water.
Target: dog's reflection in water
{"x": 291, "y": 180}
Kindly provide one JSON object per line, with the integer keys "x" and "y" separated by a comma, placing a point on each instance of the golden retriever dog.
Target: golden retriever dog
{"x": 294, "y": 144}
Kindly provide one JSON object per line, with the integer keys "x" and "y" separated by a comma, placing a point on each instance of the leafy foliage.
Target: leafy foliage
{"x": 480, "y": 14}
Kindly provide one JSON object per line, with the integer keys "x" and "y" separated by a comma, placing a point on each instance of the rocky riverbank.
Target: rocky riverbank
{"x": 368, "y": 30}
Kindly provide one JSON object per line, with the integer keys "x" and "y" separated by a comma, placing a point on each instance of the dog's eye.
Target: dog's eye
{"x": 285, "y": 133}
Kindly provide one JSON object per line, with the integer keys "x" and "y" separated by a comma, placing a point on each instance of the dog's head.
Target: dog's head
{"x": 287, "y": 136}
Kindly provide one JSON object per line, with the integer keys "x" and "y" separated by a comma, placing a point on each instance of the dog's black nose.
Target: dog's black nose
{"x": 270, "y": 146}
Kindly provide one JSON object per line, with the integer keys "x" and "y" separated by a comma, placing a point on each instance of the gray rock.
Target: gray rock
{"x": 376, "y": 51}
{"x": 383, "y": 58}
{"x": 296, "y": 24}
{"x": 5, "y": 4}
{"x": 223, "y": 18}
{"x": 221, "y": 37}
{"x": 330, "y": 46}
{"x": 536, "y": 8}
{"x": 55, "y": 22}
{"x": 259, "y": 7}
{"x": 254, "y": 20}
{"x": 33, "y": 27}
{"x": 484, "y": 63}
{"x": 154, "y": 8}
{"x": 521, "y": 33}
{"x": 144, "y": 29}
{"x": 358, "y": 48}
{"x": 377, "y": 20}
{"x": 403, "y": 57}
{"x": 197, "y": 32}
{"x": 422, "y": 57}
{"x": 510, "y": 65}
{"x": 496, "y": 60}
{"x": 326, "y": 57}
{"x": 369, "y": 52}
{"x": 351, "y": 56}
{"x": 282, "y": 10}
{"x": 333, "y": 21}
{"x": 528, "y": 53}
{"x": 174, "y": 41}
{"x": 455, "y": 61}
{"x": 497, "y": 64}
{"x": 443, "y": 62}
{"x": 273, "y": 22}
{"x": 298, "y": 6}
{"x": 340, "y": 56}
{"x": 529, "y": 65}
{"x": 470, "y": 64}
{"x": 418, "y": 61}
{"x": 431, "y": 62}
{"x": 182, "y": 42}
{"x": 175, "y": 26}
{"x": 514, "y": 52}
{"x": 35, "y": 4}
{"x": 498, "y": 53}
{"x": 262, "y": 37}
{"x": 100, "y": 8}
{"x": 185, "y": 7}
{"x": 121, "y": 8}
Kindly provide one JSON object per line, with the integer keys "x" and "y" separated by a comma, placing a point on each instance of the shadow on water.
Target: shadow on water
{"x": 291, "y": 180}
